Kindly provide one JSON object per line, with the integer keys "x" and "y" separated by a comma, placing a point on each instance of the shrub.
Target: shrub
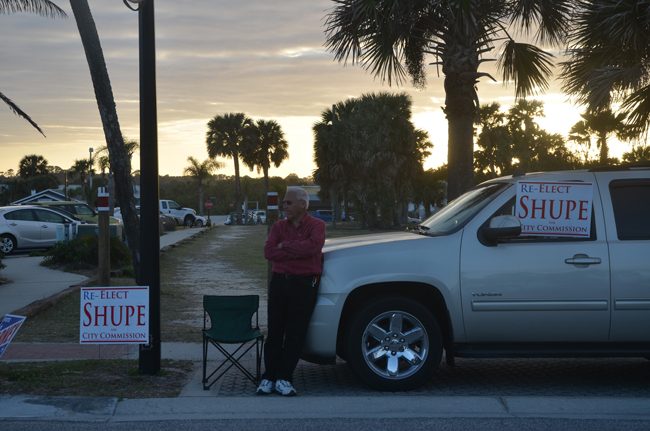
{"x": 82, "y": 253}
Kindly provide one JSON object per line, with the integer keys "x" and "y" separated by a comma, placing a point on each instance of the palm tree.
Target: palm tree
{"x": 332, "y": 153}
{"x": 580, "y": 134}
{"x": 600, "y": 124}
{"x": 80, "y": 168}
{"x": 225, "y": 137}
{"x": 368, "y": 149}
{"x": 638, "y": 154}
{"x": 119, "y": 158}
{"x": 494, "y": 156}
{"x": 391, "y": 38}
{"x": 32, "y": 165}
{"x": 201, "y": 171}
{"x": 39, "y": 7}
{"x": 608, "y": 59}
{"x": 103, "y": 159}
{"x": 264, "y": 145}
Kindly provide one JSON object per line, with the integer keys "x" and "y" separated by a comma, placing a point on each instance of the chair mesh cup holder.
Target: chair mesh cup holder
{"x": 231, "y": 323}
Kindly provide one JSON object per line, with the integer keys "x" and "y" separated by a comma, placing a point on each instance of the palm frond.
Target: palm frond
{"x": 383, "y": 36}
{"x": 609, "y": 51}
{"x": 549, "y": 18}
{"x": 344, "y": 28}
{"x": 16, "y": 110}
{"x": 382, "y": 60}
{"x": 638, "y": 107}
{"x": 527, "y": 65}
{"x": 39, "y": 7}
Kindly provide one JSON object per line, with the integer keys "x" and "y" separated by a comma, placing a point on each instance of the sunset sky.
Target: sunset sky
{"x": 266, "y": 59}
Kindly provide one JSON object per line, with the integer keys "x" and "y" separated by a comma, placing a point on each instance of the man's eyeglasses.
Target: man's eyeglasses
{"x": 287, "y": 203}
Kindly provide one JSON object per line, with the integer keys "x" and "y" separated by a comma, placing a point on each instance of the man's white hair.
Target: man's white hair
{"x": 300, "y": 194}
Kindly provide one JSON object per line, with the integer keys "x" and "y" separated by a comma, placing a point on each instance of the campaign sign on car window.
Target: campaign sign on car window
{"x": 114, "y": 315}
{"x": 9, "y": 326}
{"x": 554, "y": 208}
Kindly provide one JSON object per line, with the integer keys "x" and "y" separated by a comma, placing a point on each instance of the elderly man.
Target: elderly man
{"x": 294, "y": 248}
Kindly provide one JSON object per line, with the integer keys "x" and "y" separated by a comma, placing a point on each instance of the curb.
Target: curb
{"x": 106, "y": 409}
{"x": 183, "y": 240}
{"x": 36, "y": 307}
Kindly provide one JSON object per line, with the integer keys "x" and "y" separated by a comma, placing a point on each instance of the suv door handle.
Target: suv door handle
{"x": 582, "y": 260}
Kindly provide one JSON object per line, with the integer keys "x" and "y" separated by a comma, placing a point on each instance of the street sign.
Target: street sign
{"x": 207, "y": 205}
{"x": 102, "y": 200}
{"x": 272, "y": 200}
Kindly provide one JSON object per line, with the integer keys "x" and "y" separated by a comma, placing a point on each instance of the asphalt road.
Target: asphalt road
{"x": 414, "y": 424}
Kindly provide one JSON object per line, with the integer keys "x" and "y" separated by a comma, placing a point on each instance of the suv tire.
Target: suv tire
{"x": 188, "y": 221}
{"x": 394, "y": 344}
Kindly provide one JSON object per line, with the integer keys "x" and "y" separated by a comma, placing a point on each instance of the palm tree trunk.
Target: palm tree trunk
{"x": 200, "y": 197}
{"x": 460, "y": 69}
{"x": 604, "y": 151}
{"x": 460, "y": 176}
{"x": 336, "y": 206}
{"x": 119, "y": 158}
{"x": 238, "y": 199}
{"x": 265, "y": 170}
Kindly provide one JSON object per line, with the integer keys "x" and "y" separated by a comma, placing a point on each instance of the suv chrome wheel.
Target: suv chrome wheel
{"x": 393, "y": 344}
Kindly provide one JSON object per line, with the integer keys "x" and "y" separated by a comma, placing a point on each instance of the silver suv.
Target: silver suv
{"x": 479, "y": 279}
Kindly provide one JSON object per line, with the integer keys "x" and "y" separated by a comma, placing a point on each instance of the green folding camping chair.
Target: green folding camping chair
{"x": 231, "y": 323}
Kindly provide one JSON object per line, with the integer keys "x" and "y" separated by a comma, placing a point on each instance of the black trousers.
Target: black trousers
{"x": 290, "y": 305}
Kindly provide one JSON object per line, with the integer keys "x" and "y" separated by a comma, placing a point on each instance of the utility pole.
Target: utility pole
{"x": 90, "y": 175}
{"x": 149, "y": 355}
{"x": 103, "y": 237}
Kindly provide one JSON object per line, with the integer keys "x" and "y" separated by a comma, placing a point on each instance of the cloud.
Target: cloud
{"x": 266, "y": 59}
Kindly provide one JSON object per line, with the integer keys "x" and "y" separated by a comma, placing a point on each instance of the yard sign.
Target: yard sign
{"x": 114, "y": 315}
{"x": 554, "y": 208}
{"x": 9, "y": 326}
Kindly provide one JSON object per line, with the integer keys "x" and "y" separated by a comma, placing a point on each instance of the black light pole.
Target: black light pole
{"x": 149, "y": 355}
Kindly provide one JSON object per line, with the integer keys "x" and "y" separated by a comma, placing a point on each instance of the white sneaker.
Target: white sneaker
{"x": 285, "y": 388}
{"x": 265, "y": 387}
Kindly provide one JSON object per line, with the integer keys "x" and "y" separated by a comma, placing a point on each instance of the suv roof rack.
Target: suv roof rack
{"x": 624, "y": 167}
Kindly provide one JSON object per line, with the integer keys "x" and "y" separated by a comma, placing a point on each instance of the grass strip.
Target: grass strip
{"x": 93, "y": 378}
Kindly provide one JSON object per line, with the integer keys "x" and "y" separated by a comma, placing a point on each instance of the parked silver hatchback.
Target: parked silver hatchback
{"x": 550, "y": 264}
{"x": 29, "y": 227}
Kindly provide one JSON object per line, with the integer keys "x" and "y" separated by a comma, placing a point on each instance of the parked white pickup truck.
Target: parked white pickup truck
{"x": 482, "y": 278}
{"x": 183, "y": 216}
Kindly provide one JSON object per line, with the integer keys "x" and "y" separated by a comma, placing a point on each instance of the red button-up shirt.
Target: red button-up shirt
{"x": 301, "y": 247}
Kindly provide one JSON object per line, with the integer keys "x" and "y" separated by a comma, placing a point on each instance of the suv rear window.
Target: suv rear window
{"x": 631, "y": 203}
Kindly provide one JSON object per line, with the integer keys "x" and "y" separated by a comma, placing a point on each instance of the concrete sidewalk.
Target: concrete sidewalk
{"x": 176, "y": 237}
{"x": 29, "y": 282}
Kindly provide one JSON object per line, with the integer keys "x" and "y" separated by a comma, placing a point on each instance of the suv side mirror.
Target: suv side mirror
{"x": 501, "y": 227}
